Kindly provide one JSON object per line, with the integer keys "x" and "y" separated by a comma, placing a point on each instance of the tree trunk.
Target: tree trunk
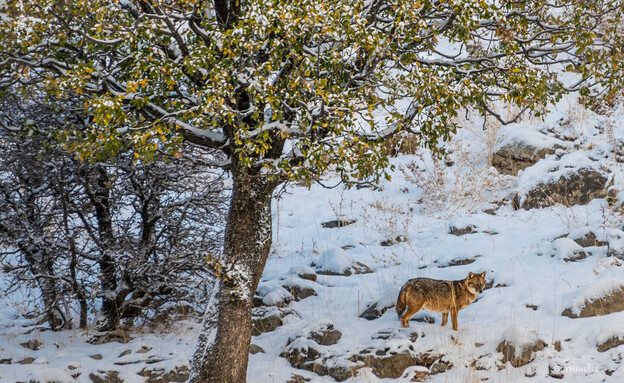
{"x": 223, "y": 348}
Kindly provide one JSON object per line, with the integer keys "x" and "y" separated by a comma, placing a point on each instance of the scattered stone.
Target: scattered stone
{"x": 530, "y": 372}
{"x": 326, "y": 336}
{"x": 299, "y": 292}
{"x": 392, "y": 242}
{"x": 423, "y": 318}
{"x": 297, "y": 379}
{"x": 27, "y": 360}
{"x": 585, "y": 238}
{"x": 144, "y": 349}
{"x": 457, "y": 262}
{"x": 265, "y": 320}
{"x": 338, "y": 223}
{"x": 615, "y": 244}
{"x": 373, "y": 312}
{"x": 392, "y": 365}
{"x": 455, "y": 230}
{"x": 518, "y": 346}
{"x": 557, "y": 345}
{"x": 532, "y": 307}
{"x": 574, "y": 189}
{"x": 160, "y": 375}
{"x": 304, "y": 272}
{"x": 336, "y": 261}
{"x": 610, "y": 343}
{"x": 555, "y": 371}
{"x": 568, "y": 250}
{"x": 33, "y": 344}
{"x": 105, "y": 377}
{"x": 255, "y": 349}
{"x": 119, "y": 336}
{"x": 607, "y": 304}
{"x": 96, "y": 356}
{"x": 6, "y": 361}
{"x": 127, "y": 352}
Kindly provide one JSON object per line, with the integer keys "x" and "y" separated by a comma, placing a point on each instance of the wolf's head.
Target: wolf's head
{"x": 475, "y": 282}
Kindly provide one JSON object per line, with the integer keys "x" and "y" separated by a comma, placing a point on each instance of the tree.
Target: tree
{"x": 143, "y": 227}
{"x": 280, "y": 90}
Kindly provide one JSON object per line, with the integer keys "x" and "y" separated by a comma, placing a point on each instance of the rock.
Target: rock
{"x": 265, "y": 319}
{"x": 144, "y": 349}
{"x": 555, "y": 371}
{"x": 337, "y": 261}
{"x": 127, "y": 352}
{"x": 337, "y": 223}
{"x": 518, "y": 346}
{"x": 255, "y": 349}
{"x": 467, "y": 229}
{"x": 610, "y": 343}
{"x": 391, "y": 366}
{"x": 96, "y": 356}
{"x": 612, "y": 301}
{"x": 391, "y": 242}
{"x": 119, "y": 336}
{"x": 27, "y": 360}
{"x": 557, "y": 345}
{"x": 6, "y": 361}
{"x": 574, "y": 189}
{"x": 519, "y": 149}
{"x": 568, "y": 250}
{"x": 33, "y": 344}
{"x": 615, "y": 243}
{"x": 304, "y": 272}
{"x": 373, "y": 312}
{"x": 457, "y": 262}
{"x": 326, "y": 336}
{"x": 278, "y": 297}
{"x": 585, "y": 238}
{"x": 105, "y": 377}
{"x": 299, "y": 293}
{"x": 294, "y": 378}
{"x": 160, "y": 375}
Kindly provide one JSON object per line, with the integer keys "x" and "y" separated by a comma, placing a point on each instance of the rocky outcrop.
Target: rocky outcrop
{"x": 610, "y": 302}
{"x": 577, "y": 188}
{"x": 519, "y": 345}
{"x": 610, "y": 343}
{"x": 519, "y": 147}
{"x": 337, "y": 261}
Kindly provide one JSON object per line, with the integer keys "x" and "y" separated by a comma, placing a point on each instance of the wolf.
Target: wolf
{"x": 441, "y": 296}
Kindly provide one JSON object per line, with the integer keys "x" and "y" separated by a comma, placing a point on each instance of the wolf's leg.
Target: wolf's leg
{"x": 454, "y": 319}
{"x": 413, "y": 306}
{"x": 444, "y": 318}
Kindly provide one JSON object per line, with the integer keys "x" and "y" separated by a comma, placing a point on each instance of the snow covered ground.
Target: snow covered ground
{"x": 406, "y": 228}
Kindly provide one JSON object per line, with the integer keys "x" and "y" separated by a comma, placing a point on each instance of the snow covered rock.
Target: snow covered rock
{"x": 105, "y": 377}
{"x": 373, "y": 312}
{"x": 587, "y": 237}
{"x": 265, "y": 319}
{"x": 609, "y": 338}
{"x": 577, "y": 188}
{"x": 337, "y": 261}
{"x": 568, "y": 250}
{"x": 604, "y": 297}
{"x": 519, "y": 147}
{"x": 615, "y": 243}
{"x": 518, "y": 346}
{"x": 303, "y": 272}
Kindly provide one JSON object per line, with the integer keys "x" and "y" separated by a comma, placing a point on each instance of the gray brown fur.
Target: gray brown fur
{"x": 441, "y": 296}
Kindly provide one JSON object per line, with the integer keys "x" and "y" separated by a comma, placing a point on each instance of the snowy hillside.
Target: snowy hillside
{"x": 554, "y": 273}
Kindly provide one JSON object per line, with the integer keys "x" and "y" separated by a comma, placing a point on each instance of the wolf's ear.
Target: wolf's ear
{"x": 482, "y": 274}
{"x": 471, "y": 275}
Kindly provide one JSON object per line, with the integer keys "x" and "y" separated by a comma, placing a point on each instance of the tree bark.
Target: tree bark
{"x": 223, "y": 348}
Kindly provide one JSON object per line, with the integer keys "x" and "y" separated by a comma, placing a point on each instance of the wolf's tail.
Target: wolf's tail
{"x": 401, "y": 302}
